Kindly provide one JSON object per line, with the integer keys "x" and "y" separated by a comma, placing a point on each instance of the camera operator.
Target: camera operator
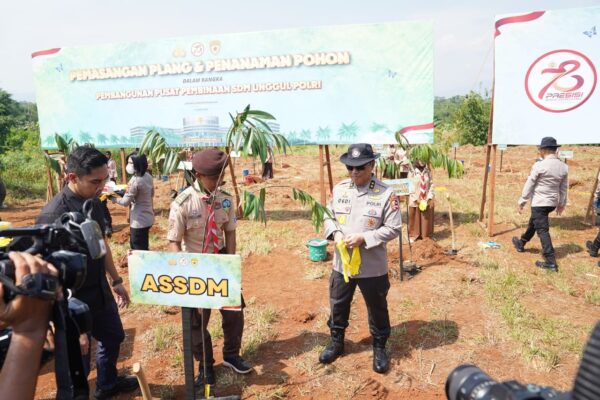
{"x": 28, "y": 317}
{"x": 87, "y": 172}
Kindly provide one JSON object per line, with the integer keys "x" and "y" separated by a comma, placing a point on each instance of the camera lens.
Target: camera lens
{"x": 467, "y": 382}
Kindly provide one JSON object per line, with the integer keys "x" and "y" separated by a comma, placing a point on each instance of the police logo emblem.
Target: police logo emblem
{"x": 355, "y": 153}
{"x": 226, "y": 203}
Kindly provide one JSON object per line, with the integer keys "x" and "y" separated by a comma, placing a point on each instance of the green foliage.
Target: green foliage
{"x": 254, "y": 207}
{"x": 317, "y": 210}
{"x": 163, "y": 157}
{"x": 251, "y": 135}
{"x": 436, "y": 158}
{"x": 473, "y": 118}
{"x": 23, "y": 174}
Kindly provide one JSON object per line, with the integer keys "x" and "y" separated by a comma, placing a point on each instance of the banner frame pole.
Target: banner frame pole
{"x": 329, "y": 175}
{"x": 123, "y": 166}
{"x": 322, "y": 175}
{"x": 591, "y": 201}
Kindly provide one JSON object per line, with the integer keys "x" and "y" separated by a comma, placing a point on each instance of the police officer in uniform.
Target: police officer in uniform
{"x": 203, "y": 220}
{"x": 367, "y": 216}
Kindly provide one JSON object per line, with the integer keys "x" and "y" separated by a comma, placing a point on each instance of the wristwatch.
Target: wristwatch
{"x": 117, "y": 281}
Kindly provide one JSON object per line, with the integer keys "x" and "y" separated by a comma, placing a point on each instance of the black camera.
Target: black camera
{"x": 468, "y": 382}
{"x": 66, "y": 244}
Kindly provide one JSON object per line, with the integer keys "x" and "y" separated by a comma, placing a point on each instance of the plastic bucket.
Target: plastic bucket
{"x": 317, "y": 249}
{"x": 245, "y": 172}
{"x": 164, "y": 178}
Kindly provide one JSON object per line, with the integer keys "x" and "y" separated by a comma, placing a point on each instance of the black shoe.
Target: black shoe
{"x": 591, "y": 248}
{"x": 547, "y": 265}
{"x": 126, "y": 383}
{"x": 518, "y": 243}
{"x": 210, "y": 376}
{"x": 381, "y": 361}
{"x": 334, "y": 349}
{"x": 237, "y": 364}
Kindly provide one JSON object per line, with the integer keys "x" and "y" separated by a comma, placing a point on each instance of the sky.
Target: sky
{"x": 463, "y": 28}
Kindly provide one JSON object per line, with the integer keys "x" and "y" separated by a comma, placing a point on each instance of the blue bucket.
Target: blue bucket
{"x": 245, "y": 172}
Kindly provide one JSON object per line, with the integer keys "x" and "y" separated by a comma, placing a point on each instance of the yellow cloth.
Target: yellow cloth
{"x": 423, "y": 205}
{"x": 351, "y": 266}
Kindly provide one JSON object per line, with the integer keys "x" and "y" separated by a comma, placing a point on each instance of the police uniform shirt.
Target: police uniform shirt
{"x": 189, "y": 215}
{"x": 547, "y": 184}
{"x": 373, "y": 210}
{"x": 95, "y": 291}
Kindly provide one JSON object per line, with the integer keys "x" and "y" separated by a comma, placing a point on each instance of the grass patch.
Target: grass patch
{"x": 315, "y": 272}
{"x": 252, "y": 239}
{"x": 592, "y": 296}
{"x": 543, "y": 340}
{"x": 163, "y": 337}
{"x": 260, "y": 328}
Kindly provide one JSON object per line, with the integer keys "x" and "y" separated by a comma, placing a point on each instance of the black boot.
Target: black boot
{"x": 518, "y": 243}
{"x": 334, "y": 349}
{"x": 592, "y": 248}
{"x": 549, "y": 265}
{"x": 381, "y": 361}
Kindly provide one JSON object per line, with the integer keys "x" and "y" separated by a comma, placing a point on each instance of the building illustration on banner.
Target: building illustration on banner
{"x": 196, "y": 131}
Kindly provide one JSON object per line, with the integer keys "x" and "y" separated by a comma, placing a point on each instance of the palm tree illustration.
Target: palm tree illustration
{"x": 101, "y": 138}
{"x": 292, "y": 137}
{"x": 377, "y": 127}
{"x": 323, "y": 133}
{"x": 348, "y": 132}
{"x": 85, "y": 137}
{"x": 124, "y": 141}
{"x": 49, "y": 141}
{"x": 306, "y": 134}
{"x": 114, "y": 140}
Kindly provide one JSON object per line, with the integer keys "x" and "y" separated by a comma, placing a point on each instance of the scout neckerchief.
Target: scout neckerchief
{"x": 211, "y": 228}
{"x": 423, "y": 186}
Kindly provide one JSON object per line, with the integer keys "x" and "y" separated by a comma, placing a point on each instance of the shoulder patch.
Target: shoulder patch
{"x": 183, "y": 196}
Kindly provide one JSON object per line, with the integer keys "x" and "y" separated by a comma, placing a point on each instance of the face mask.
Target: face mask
{"x": 129, "y": 169}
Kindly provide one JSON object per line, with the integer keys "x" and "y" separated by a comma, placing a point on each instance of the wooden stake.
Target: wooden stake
{"x": 322, "y": 175}
{"x": 591, "y": 202}
{"x": 145, "y": 389}
{"x": 490, "y": 227}
{"x": 328, "y": 160}
{"x": 238, "y": 204}
{"x": 501, "y": 155}
{"x": 485, "y": 181}
{"x": 123, "y": 166}
{"x": 49, "y": 189}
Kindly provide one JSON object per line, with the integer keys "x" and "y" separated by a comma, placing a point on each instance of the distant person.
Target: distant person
{"x": 267, "y": 172}
{"x": 397, "y": 155}
{"x": 420, "y": 202}
{"x": 594, "y": 246}
{"x": 546, "y": 187}
{"x": 112, "y": 167}
{"x": 366, "y": 216}
{"x": 140, "y": 195}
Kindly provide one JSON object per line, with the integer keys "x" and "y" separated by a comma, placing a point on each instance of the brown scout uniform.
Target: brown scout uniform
{"x": 187, "y": 224}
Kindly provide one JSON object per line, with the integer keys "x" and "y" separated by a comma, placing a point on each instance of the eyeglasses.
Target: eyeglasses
{"x": 359, "y": 168}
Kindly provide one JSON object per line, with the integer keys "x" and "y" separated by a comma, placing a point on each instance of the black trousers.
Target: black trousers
{"x": 597, "y": 240}
{"x": 233, "y": 328}
{"x": 374, "y": 291}
{"x": 538, "y": 223}
{"x": 138, "y": 238}
{"x": 267, "y": 172}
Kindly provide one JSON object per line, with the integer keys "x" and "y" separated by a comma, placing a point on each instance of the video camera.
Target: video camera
{"x": 67, "y": 243}
{"x": 468, "y": 382}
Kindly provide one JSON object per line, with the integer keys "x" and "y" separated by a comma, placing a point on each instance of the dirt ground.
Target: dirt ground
{"x": 490, "y": 307}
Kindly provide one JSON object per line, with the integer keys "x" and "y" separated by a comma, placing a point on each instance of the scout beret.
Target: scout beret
{"x": 209, "y": 162}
